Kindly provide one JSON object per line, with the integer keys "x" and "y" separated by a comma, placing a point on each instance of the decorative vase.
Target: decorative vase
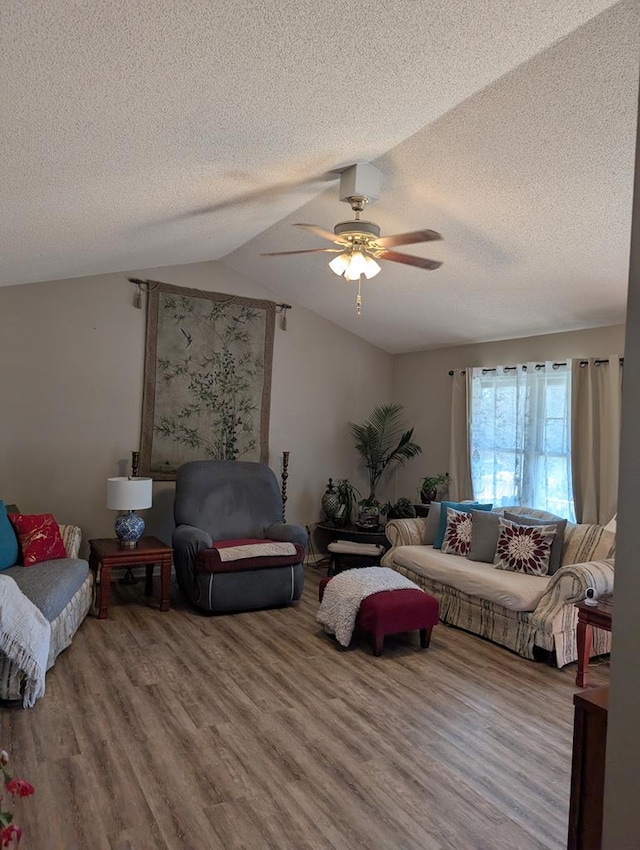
{"x": 368, "y": 516}
{"x": 330, "y": 501}
{"x": 428, "y": 496}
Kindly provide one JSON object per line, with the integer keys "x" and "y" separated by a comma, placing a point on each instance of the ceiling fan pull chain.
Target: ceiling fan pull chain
{"x": 359, "y": 299}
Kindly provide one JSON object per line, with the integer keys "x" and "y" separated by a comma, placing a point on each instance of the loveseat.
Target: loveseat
{"x": 63, "y": 591}
{"x": 534, "y": 615}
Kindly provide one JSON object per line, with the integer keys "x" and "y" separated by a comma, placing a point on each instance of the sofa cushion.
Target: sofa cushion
{"x": 515, "y": 591}
{"x": 39, "y": 538}
{"x": 432, "y": 524}
{"x": 8, "y": 540}
{"x": 485, "y": 531}
{"x": 583, "y": 543}
{"x": 260, "y": 554}
{"x": 457, "y": 535}
{"x": 555, "y": 560}
{"x": 457, "y": 506}
{"x": 51, "y": 585}
{"x": 524, "y": 548}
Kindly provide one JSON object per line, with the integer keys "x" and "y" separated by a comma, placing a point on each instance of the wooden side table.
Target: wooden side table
{"x": 590, "y": 617}
{"x": 106, "y": 554}
{"x": 587, "y": 769}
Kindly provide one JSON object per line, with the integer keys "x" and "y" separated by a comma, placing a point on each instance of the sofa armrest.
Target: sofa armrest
{"x": 285, "y": 532}
{"x": 406, "y": 532}
{"x": 403, "y": 532}
{"x": 569, "y": 585}
{"x": 72, "y": 538}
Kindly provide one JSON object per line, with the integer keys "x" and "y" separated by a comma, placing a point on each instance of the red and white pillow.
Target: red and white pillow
{"x": 524, "y": 548}
{"x": 39, "y": 538}
{"x": 457, "y": 535}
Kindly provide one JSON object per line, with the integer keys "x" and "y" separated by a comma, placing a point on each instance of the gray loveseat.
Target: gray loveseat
{"x": 221, "y": 502}
{"x": 63, "y": 591}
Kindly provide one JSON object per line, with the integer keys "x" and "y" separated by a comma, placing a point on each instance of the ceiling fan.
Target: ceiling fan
{"x": 359, "y": 242}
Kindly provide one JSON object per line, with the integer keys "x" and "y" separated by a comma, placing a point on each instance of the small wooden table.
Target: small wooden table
{"x": 107, "y": 554}
{"x": 354, "y": 534}
{"x": 590, "y": 617}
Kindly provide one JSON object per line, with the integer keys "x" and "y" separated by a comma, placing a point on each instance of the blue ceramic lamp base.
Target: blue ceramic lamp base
{"x": 129, "y": 529}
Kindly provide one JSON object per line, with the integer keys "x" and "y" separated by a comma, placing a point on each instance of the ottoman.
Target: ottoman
{"x": 392, "y": 611}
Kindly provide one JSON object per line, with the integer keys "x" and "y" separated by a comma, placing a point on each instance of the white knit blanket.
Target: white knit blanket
{"x": 25, "y": 634}
{"x": 268, "y": 549}
{"x": 344, "y": 593}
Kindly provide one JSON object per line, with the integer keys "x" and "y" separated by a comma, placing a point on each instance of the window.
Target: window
{"x": 521, "y": 436}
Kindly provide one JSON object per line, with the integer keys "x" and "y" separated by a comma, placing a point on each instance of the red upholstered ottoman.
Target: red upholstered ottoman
{"x": 392, "y": 611}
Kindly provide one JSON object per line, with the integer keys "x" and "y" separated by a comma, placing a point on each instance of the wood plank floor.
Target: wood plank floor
{"x": 180, "y": 730}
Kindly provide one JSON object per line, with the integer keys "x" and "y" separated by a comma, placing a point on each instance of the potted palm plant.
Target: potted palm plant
{"x": 382, "y": 442}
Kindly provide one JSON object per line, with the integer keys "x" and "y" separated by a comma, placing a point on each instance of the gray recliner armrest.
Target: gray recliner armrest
{"x": 187, "y": 541}
{"x": 287, "y": 533}
{"x": 189, "y": 535}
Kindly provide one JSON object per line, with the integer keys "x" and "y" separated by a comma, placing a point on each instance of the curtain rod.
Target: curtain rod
{"x": 149, "y": 285}
{"x": 583, "y": 363}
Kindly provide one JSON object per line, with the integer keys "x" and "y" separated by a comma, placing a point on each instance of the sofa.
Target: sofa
{"x": 533, "y": 615}
{"x": 62, "y": 590}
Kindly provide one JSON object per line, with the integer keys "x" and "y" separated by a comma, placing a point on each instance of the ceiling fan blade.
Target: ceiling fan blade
{"x": 408, "y": 259}
{"x": 305, "y": 251}
{"x": 323, "y": 234}
{"x": 408, "y": 238}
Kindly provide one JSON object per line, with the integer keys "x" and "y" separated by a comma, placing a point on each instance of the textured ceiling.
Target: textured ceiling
{"x": 137, "y": 135}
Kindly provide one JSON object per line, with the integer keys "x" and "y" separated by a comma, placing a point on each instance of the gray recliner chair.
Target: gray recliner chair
{"x": 224, "y": 510}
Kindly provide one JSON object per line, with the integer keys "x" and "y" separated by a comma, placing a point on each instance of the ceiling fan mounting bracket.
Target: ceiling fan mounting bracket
{"x": 360, "y": 185}
{"x": 358, "y": 202}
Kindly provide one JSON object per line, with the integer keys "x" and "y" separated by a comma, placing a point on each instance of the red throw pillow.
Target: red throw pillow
{"x": 39, "y": 538}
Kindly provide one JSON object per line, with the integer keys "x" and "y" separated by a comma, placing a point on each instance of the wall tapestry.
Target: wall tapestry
{"x": 207, "y": 384}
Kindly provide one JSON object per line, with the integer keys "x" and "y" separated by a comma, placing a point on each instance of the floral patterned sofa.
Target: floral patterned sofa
{"x": 532, "y": 615}
{"x": 63, "y": 591}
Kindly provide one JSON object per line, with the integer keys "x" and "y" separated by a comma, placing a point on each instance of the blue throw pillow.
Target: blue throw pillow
{"x": 465, "y": 507}
{"x": 8, "y": 541}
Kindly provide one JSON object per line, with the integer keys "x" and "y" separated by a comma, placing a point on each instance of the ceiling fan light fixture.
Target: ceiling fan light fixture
{"x": 371, "y": 268}
{"x": 357, "y": 266}
{"x": 340, "y": 264}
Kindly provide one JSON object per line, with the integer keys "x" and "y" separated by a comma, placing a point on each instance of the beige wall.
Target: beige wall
{"x": 421, "y": 382}
{"x": 73, "y": 352}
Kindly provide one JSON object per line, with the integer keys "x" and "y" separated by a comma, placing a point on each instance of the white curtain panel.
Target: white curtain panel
{"x": 520, "y": 436}
{"x": 460, "y": 458}
{"x": 596, "y": 401}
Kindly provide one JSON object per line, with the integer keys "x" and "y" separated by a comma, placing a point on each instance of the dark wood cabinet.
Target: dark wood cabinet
{"x": 587, "y": 769}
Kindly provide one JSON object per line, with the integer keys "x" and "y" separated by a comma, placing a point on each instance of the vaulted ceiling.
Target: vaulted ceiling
{"x": 139, "y": 135}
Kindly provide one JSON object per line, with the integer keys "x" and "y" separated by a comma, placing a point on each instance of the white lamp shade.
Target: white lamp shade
{"x": 129, "y": 494}
{"x": 356, "y": 266}
{"x": 339, "y": 264}
{"x": 371, "y": 268}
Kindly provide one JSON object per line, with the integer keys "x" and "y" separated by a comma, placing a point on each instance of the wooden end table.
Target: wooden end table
{"x": 590, "y": 617}
{"x": 106, "y": 554}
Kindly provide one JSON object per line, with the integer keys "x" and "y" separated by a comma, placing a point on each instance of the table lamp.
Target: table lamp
{"x": 129, "y": 494}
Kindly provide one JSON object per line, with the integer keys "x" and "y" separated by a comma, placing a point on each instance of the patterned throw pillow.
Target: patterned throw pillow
{"x": 524, "y": 548}
{"x": 457, "y": 535}
{"x": 39, "y": 538}
{"x": 457, "y": 506}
